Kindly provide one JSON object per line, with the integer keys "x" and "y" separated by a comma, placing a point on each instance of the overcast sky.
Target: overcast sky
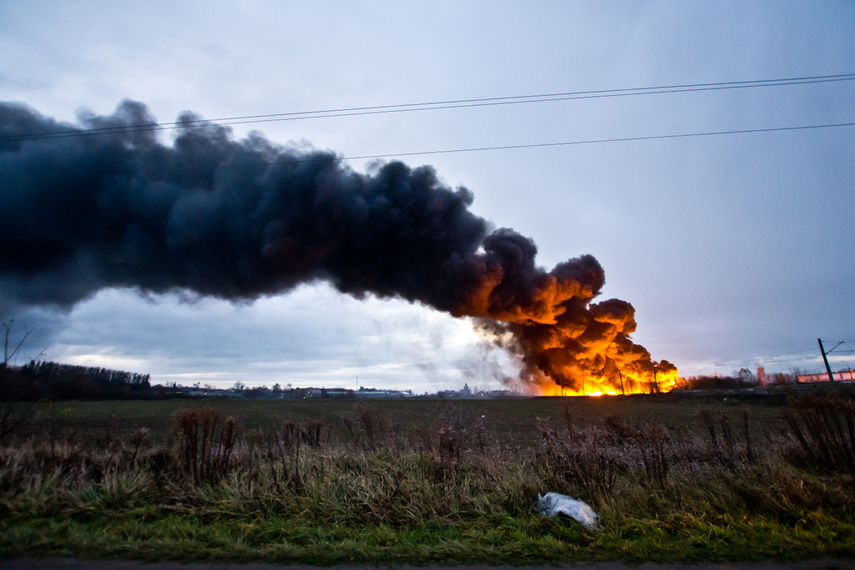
{"x": 736, "y": 250}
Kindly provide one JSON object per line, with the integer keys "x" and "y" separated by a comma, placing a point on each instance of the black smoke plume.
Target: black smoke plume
{"x": 105, "y": 204}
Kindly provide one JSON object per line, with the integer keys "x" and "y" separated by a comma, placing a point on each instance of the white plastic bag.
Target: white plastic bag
{"x": 554, "y": 504}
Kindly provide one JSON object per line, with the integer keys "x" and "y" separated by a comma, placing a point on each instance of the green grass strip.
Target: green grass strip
{"x": 514, "y": 540}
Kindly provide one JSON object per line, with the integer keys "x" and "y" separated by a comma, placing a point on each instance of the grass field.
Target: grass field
{"x": 418, "y": 481}
{"x": 511, "y": 421}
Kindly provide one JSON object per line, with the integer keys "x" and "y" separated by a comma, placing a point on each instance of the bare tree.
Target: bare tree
{"x": 10, "y": 349}
{"x": 13, "y": 415}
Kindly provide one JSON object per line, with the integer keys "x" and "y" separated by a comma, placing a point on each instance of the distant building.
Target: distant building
{"x": 375, "y": 394}
{"x": 840, "y": 376}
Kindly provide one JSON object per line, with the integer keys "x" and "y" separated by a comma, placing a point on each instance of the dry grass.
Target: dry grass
{"x": 362, "y": 471}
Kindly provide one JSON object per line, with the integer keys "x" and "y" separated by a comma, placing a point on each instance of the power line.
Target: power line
{"x": 811, "y": 349}
{"x": 564, "y": 143}
{"x": 778, "y": 359}
{"x": 525, "y": 146}
{"x": 442, "y": 105}
{"x": 522, "y": 99}
{"x": 8, "y": 182}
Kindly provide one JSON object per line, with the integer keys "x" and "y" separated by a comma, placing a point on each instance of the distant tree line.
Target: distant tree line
{"x": 54, "y": 381}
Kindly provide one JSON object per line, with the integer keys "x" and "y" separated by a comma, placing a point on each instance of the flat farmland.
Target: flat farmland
{"x": 507, "y": 421}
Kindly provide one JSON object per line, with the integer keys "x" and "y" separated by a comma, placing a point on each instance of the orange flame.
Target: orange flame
{"x": 565, "y": 343}
{"x": 662, "y": 381}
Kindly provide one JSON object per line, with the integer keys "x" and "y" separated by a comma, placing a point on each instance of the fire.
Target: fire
{"x": 665, "y": 379}
{"x": 556, "y": 390}
{"x": 670, "y": 380}
{"x": 577, "y": 347}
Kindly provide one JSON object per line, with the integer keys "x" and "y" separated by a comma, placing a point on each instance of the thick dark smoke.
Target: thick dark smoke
{"x": 108, "y": 205}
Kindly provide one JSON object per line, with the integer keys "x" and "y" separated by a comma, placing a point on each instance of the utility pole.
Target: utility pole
{"x": 622, "y": 391}
{"x": 825, "y": 359}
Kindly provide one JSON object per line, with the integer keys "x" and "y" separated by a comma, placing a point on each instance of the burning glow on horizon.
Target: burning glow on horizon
{"x": 593, "y": 386}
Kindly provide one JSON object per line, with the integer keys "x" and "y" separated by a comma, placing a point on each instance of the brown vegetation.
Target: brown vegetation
{"x": 364, "y": 469}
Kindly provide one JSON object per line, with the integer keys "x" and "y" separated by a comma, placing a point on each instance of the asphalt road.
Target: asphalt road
{"x": 77, "y": 564}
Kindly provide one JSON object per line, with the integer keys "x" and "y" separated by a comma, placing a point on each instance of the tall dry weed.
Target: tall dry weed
{"x": 205, "y": 442}
{"x": 580, "y": 459}
{"x": 368, "y": 426}
{"x": 823, "y": 429}
{"x": 725, "y": 444}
